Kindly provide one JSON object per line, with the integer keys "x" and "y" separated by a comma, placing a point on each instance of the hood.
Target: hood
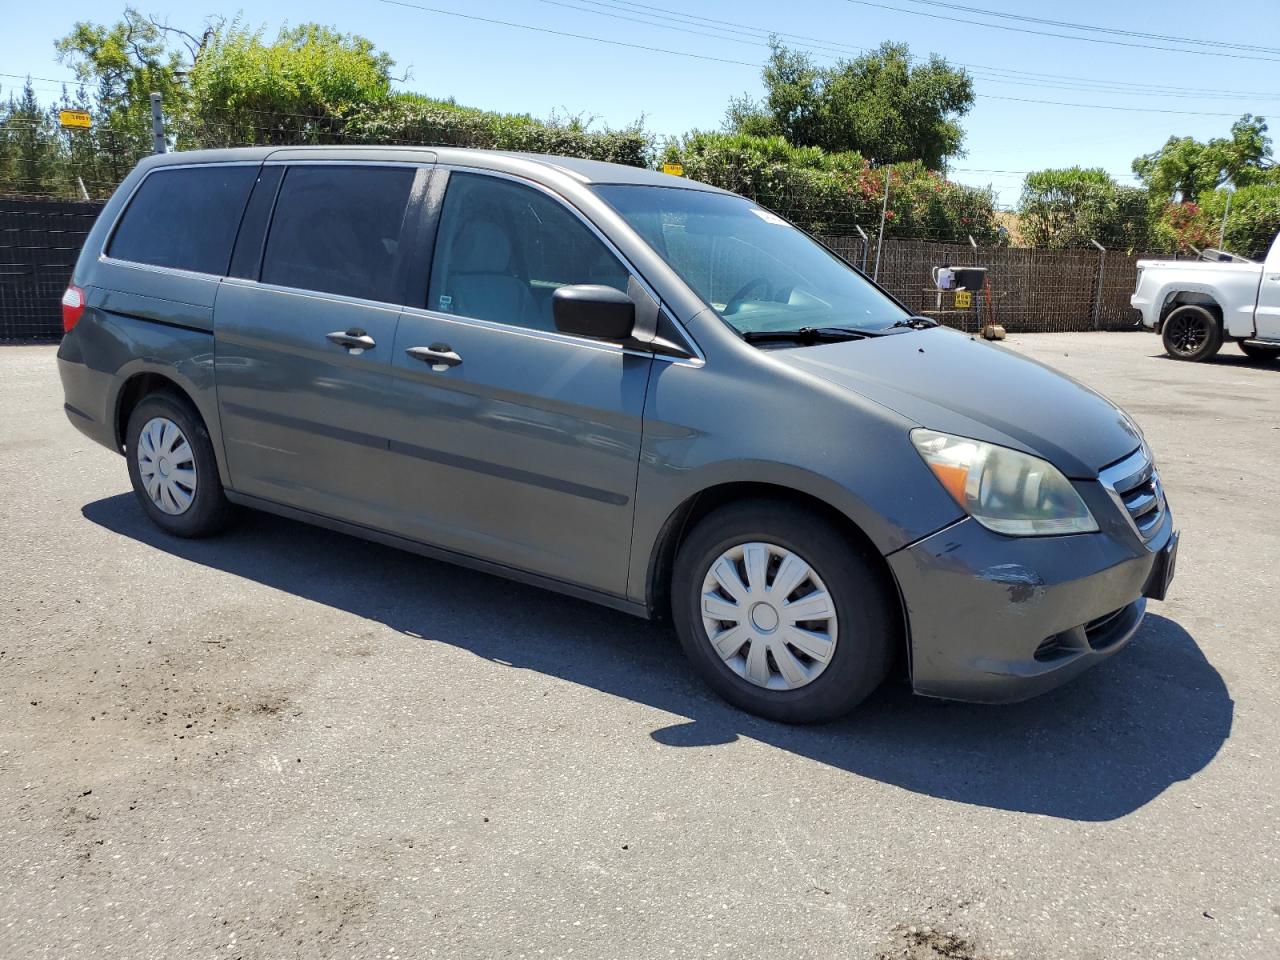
{"x": 954, "y": 383}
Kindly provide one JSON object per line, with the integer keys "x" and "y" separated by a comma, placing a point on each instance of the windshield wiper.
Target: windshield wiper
{"x": 806, "y": 335}
{"x": 914, "y": 323}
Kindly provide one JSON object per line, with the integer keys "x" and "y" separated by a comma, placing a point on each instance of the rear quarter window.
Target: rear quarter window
{"x": 185, "y": 219}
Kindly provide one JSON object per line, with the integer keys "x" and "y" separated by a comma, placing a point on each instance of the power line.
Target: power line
{"x": 682, "y": 53}
{"x": 1092, "y": 28}
{"x": 1062, "y": 36}
{"x": 1108, "y": 106}
{"x": 564, "y": 33}
{"x": 758, "y": 36}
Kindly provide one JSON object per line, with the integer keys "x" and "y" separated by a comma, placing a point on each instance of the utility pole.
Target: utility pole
{"x": 157, "y": 126}
{"x": 884, "y": 212}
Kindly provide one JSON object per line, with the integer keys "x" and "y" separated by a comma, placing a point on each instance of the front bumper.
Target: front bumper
{"x": 996, "y": 619}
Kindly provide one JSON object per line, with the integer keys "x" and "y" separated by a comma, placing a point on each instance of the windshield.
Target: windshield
{"x": 756, "y": 270}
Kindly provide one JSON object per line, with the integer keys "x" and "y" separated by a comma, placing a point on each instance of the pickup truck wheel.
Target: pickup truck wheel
{"x": 1192, "y": 333}
{"x": 1256, "y": 351}
{"x": 781, "y": 614}
{"x": 173, "y": 469}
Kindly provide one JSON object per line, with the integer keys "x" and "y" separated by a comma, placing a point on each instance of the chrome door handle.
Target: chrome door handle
{"x": 439, "y": 355}
{"x": 355, "y": 340}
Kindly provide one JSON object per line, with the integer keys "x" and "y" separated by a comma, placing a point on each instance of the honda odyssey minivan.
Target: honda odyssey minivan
{"x": 624, "y": 386}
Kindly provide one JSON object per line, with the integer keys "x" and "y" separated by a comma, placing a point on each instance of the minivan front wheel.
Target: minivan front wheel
{"x": 781, "y": 614}
{"x": 173, "y": 469}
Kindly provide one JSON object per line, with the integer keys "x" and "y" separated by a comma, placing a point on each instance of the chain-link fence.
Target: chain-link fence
{"x": 1029, "y": 290}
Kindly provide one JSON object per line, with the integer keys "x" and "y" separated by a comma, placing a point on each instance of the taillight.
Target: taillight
{"x": 72, "y": 307}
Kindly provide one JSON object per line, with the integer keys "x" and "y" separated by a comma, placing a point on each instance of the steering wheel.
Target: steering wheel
{"x": 740, "y": 297}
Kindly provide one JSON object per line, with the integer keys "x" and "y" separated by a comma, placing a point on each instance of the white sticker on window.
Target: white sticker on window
{"x": 445, "y": 303}
{"x": 768, "y": 217}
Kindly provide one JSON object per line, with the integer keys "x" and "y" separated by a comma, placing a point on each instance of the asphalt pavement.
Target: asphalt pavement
{"x": 285, "y": 742}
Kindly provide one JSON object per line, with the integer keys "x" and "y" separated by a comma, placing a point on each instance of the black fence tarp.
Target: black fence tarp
{"x": 39, "y": 243}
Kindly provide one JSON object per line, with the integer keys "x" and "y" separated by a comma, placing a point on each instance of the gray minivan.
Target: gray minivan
{"x": 624, "y": 386}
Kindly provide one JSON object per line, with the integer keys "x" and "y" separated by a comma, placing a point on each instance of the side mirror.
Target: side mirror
{"x": 592, "y": 310}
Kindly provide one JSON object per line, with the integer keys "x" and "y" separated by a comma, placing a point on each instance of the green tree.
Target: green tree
{"x": 884, "y": 105}
{"x": 832, "y": 192}
{"x": 1184, "y": 167}
{"x": 123, "y": 64}
{"x": 1071, "y": 207}
{"x": 300, "y": 86}
{"x": 29, "y": 160}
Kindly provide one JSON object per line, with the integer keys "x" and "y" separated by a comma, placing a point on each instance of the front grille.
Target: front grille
{"x": 1135, "y": 486}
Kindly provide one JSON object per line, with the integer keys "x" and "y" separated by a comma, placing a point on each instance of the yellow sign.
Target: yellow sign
{"x": 964, "y": 299}
{"x": 74, "y": 118}
{"x": 675, "y": 169}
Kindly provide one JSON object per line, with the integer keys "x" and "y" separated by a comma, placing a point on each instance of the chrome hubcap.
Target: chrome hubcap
{"x": 769, "y": 616}
{"x": 166, "y": 465}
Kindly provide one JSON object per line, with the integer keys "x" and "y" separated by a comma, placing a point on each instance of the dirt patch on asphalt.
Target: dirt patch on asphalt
{"x": 927, "y": 943}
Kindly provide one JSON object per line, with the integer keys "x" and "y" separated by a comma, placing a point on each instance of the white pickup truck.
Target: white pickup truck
{"x": 1197, "y": 304}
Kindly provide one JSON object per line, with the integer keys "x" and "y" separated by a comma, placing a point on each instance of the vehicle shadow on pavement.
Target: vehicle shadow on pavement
{"x": 1097, "y": 749}
{"x": 1225, "y": 359}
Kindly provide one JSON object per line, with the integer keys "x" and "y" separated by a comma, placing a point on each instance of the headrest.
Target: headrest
{"x": 482, "y": 247}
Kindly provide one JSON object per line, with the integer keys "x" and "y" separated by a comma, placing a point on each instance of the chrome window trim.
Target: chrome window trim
{"x": 103, "y": 256}
{"x": 349, "y": 162}
{"x": 582, "y": 218}
{"x": 386, "y": 305}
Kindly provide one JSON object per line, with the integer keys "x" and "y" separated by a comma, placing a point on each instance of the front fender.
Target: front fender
{"x": 704, "y": 429}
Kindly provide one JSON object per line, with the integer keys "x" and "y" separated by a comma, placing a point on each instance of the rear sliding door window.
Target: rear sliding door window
{"x": 337, "y": 229}
{"x": 185, "y": 218}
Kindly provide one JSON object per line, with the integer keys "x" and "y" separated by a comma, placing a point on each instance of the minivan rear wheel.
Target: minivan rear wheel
{"x": 173, "y": 469}
{"x": 781, "y": 614}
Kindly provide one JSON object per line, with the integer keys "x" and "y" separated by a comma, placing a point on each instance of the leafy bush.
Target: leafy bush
{"x": 1252, "y": 222}
{"x": 409, "y": 118}
{"x": 831, "y": 192}
{"x": 1069, "y": 208}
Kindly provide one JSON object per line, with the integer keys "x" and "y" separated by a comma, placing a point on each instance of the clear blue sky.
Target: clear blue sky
{"x": 506, "y": 68}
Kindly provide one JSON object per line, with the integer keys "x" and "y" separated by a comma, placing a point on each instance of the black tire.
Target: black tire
{"x": 209, "y": 510}
{"x": 1255, "y": 351}
{"x": 868, "y": 617}
{"x": 1191, "y": 333}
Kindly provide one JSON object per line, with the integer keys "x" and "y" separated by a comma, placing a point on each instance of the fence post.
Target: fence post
{"x": 866, "y": 246}
{"x": 1097, "y": 287}
{"x": 157, "y": 125}
{"x": 884, "y": 212}
{"x": 1222, "y": 231}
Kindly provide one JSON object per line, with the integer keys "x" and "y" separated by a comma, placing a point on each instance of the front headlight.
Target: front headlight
{"x": 1004, "y": 490}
